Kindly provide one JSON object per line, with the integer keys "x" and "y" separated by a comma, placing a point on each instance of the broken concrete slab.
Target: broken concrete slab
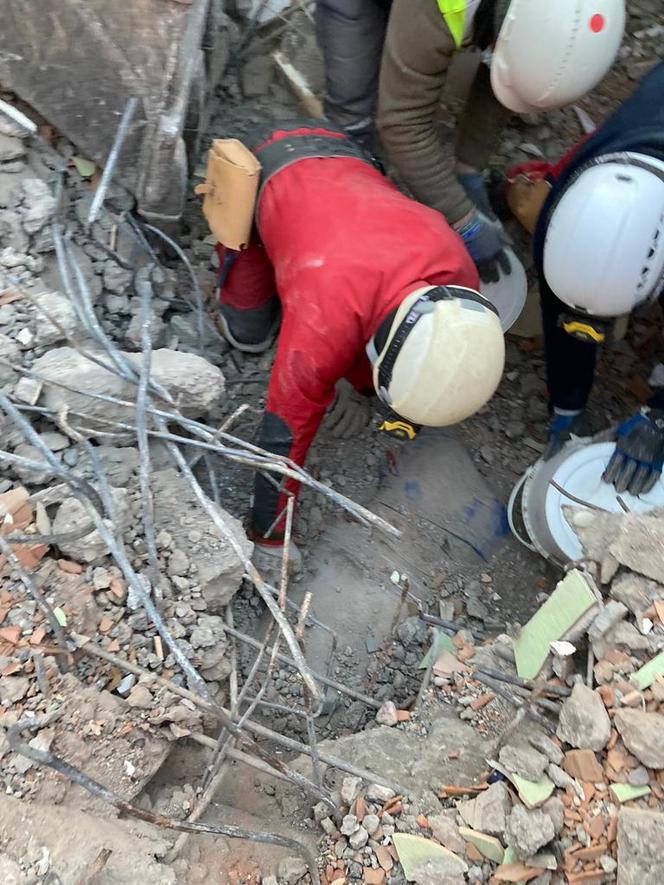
{"x": 414, "y": 851}
{"x": 643, "y": 735}
{"x": 640, "y": 543}
{"x": 640, "y": 847}
{"x": 524, "y": 760}
{"x": 9, "y": 351}
{"x": 65, "y": 324}
{"x": 414, "y": 762}
{"x": 195, "y": 384}
{"x": 177, "y": 511}
{"x": 636, "y": 592}
{"x": 446, "y": 832}
{"x": 488, "y": 812}
{"x": 37, "y": 204}
{"x": 528, "y": 831}
{"x": 73, "y": 517}
{"x": 78, "y": 840}
{"x": 623, "y": 635}
{"x": 596, "y": 530}
{"x": 11, "y": 148}
{"x": 607, "y": 617}
{"x": 544, "y": 744}
{"x": 584, "y": 722}
{"x": 434, "y": 871}
{"x": 567, "y": 607}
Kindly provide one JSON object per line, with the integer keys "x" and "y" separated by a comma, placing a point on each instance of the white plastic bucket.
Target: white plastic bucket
{"x": 577, "y": 469}
{"x": 508, "y": 295}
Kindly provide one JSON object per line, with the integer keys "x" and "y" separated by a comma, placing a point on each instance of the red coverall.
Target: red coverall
{"x": 342, "y": 247}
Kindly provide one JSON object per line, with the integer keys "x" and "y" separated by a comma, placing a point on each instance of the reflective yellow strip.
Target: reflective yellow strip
{"x": 454, "y": 14}
{"x": 584, "y": 331}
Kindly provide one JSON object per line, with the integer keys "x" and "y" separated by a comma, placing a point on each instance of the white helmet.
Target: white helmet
{"x": 443, "y": 357}
{"x": 551, "y": 52}
{"x": 604, "y": 244}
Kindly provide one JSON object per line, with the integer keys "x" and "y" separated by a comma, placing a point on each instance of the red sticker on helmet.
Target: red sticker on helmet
{"x": 597, "y": 23}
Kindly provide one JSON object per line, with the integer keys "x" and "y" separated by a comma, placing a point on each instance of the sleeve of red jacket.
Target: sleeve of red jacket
{"x": 300, "y": 390}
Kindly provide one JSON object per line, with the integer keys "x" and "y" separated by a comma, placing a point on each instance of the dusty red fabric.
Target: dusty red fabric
{"x": 535, "y": 170}
{"x": 346, "y": 247}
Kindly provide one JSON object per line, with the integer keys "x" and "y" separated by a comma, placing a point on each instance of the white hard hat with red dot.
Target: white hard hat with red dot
{"x": 549, "y": 53}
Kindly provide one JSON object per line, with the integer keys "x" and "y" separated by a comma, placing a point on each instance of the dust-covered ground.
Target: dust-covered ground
{"x": 120, "y": 728}
{"x": 507, "y": 435}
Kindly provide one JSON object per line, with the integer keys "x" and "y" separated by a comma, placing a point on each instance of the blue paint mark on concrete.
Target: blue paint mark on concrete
{"x": 412, "y": 489}
{"x": 487, "y": 521}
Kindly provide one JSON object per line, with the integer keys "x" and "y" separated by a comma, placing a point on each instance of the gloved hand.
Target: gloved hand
{"x": 565, "y": 423}
{"x": 267, "y": 559}
{"x": 349, "y": 413}
{"x": 636, "y": 464}
{"x": 474, "y": 185}
{"x": 483, "y": 239}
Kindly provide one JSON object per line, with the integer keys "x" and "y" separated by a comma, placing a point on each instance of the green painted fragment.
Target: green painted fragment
{"x": 441, "y": 643}
{"x": 414, "y": 851}
{"x": 645, "y": 677}
{"x": 85, "y": 168}
{"x": 510, "y": 855}
{"x": 488, "y": 846}
{"x": 60, "y": 616}
{"x": 532, "y": 793}
{"x": 626, "y": 792}
{"x": 568, "y": 603}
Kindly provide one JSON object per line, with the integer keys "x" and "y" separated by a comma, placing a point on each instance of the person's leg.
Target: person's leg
{"x": 351, "y": 35}
{"x": 570, "y": 363}
{"x": 248, "y": 304}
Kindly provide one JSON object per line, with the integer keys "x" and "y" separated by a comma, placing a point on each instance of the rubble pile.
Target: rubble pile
{"x": 575, "y": 791}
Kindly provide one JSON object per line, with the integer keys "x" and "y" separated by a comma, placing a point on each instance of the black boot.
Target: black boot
{"x": 253, "y": 330}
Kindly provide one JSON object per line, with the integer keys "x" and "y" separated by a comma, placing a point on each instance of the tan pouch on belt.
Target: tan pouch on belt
{"x": 230, "y": 189}
{"x": 526, "y": 198}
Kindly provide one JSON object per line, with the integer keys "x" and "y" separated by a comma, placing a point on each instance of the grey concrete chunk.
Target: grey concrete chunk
{"x": 640, "y": 847}
{"x": 528, "y": 831}
{"x": 523, "y": 760}
{"x": 584, "y": 722}
{"x": 611, "y": 614}
{"x": 643, "y": 735}
{"x": 488, "y": 812}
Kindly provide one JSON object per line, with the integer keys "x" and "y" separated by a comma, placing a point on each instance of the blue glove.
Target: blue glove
{"x": 475, "y": 186}
{"x": 482, "y": 239}
{"x": 564, "y": 424}
{"x": 636, "y": 463}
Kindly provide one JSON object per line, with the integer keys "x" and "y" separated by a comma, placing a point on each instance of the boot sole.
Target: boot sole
{"x": 259, "y": 347}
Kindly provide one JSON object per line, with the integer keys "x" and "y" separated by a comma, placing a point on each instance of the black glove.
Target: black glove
{"x": 636, "y": 464}
{"x": 482, "y": 238}
{"x": 564, "y": 425}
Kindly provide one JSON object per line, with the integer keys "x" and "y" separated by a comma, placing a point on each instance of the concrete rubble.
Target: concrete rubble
{"x": 581, "y": 803}
{"x": 555, "y": 779}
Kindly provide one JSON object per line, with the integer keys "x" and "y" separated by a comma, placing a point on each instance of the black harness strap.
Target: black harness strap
{"x": 281, "y": 154}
